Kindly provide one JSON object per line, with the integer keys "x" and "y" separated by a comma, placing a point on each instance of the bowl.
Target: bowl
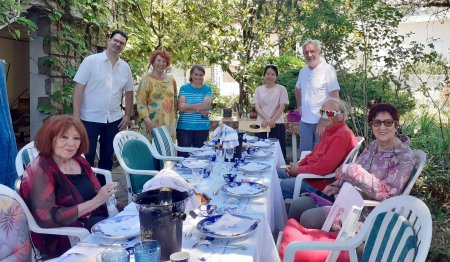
{"x": 229, "y": 178}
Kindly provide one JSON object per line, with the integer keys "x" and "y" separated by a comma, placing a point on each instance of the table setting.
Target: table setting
{"x": 245, "y": 206}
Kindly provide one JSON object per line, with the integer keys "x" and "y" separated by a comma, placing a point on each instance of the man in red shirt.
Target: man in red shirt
{"x": 337, "y": 141}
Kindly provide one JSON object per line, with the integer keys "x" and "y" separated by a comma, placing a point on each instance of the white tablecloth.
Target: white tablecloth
{"x": 269, "y": 208}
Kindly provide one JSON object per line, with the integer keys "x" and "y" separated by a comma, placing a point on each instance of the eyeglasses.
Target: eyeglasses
{"x": 329, "y": 113}
{"x": 386, "y": 123}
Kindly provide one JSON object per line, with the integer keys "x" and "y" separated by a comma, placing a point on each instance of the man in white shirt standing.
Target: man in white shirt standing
{"x": 316, "y": 82}
{"x": 100, "y": 83}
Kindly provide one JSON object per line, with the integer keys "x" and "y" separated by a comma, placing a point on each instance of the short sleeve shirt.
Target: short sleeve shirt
{"x": 316, "y": 86}
{"x": 269, "y": 98}
{"x": 194, "y": 120}
{"x": 104, "y": 85}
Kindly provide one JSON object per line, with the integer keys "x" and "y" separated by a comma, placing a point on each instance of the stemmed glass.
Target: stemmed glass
{"x": 229, "y": 153}
{"x": 196, "y": 177}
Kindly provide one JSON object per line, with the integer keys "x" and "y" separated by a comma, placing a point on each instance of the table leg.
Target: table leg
{"x": 294, "y": 148}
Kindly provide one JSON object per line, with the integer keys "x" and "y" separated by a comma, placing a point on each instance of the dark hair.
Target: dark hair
{"x": 382, "y": 107}
{"x": 198, "y": 68}
{"x": 274, "y": 67}
{"x": 163, "y": 54}
{"x": 54, "y": 127}
{"x": 120, "y": 32}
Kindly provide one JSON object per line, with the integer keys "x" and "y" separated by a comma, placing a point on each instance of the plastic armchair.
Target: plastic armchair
{"x": 348, "y": 206}
{"x": 135, "y": 155}
{"x": 421, "y": 159}
{"x": 164, "y": 144}
{"x": 409, "y": 208}
{"x": 75, "y": 234}
{"x": 351, "y": 157}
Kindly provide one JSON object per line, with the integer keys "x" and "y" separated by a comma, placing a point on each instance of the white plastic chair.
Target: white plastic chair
{"x": 29, "y": 152}
{"x": 348, "y": 206}
{"x": 139, "y": 166}
{"x": 410, "y": 208}
{"x": 75, "y": 234}
{"x": 351, "y": 157}
{"x": 421, "y": 159}
{"x": 164, "y": 144}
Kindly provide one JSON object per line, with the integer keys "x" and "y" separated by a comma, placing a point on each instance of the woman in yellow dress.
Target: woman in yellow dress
{"x": 156, "y": 96}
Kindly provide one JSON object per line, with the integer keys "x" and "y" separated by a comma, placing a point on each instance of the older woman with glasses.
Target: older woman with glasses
{"x": 270, "y": 101}
{"x": 380, "y": 172}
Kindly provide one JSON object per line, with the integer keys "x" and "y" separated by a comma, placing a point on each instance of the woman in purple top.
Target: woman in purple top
{"x": 380, "y": 172}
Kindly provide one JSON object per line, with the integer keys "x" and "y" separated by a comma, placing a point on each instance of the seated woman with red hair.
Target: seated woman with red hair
{"x": 59, "y": 186}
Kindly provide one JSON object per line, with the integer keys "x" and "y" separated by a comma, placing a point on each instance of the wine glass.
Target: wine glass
{"x": 229, "y": 153}
{"x": 197, "y": 175}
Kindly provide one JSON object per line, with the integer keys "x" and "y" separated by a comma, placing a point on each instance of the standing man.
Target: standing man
{"x": 99, "y": 84}
{"x": 316, "y": 82}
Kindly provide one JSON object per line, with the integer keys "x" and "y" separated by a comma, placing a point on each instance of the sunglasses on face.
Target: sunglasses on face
{"x": 329, "y": 113}
{"x": 386, "y": 123}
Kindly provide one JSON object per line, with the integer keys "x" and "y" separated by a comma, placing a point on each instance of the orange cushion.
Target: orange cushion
{"x": 296, "y": 232}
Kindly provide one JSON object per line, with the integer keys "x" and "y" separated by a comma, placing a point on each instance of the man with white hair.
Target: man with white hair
{"x": 316, "y": 82}
{"x": 337, "y": 141}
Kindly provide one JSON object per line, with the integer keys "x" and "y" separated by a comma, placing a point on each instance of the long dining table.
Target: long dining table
{"x": 269, "y": 208}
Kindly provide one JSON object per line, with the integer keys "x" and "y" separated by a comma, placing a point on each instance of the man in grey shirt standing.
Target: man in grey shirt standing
{"x": 100, "y": 83}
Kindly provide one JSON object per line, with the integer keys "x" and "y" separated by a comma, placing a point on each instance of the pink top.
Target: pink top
{"x": 269, "y": 99}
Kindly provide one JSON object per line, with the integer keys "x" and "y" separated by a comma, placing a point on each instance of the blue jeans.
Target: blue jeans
{"x": 106, "y": 131}
{"x": 308, "y": 136}
{"x": 288, "y": 185}
{"x": 191, "y": 138}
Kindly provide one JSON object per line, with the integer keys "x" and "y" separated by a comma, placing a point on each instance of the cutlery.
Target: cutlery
{"x": 209, "y": 243}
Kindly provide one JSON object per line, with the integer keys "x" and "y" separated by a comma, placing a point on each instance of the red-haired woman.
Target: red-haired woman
{"x": 156, "y": 96}
{"x": 59, "y": 186}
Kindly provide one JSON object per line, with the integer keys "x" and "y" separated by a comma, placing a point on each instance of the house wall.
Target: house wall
{"x": 15, "y": 53}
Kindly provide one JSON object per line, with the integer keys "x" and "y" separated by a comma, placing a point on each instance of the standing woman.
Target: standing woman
{"x": 270, "y": 101}
{"x": 194, "y": 101}
{"x": 156, "y": 96}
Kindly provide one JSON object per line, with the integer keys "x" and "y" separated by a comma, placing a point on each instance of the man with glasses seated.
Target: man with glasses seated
{"x": 337, "y": 141}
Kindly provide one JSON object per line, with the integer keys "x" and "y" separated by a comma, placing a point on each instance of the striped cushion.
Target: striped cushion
{"x": 163, "y": 142}
{"x": 392, "y": 238}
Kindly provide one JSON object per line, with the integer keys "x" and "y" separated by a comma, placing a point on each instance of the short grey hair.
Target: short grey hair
{"x": 342, "y": 106}
{"x": 316, "y": 43}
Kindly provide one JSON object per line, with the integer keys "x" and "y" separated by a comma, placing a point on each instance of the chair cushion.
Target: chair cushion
{"x": 392, "y": 238}
{"x": 294, "y": 231}
{"x": 136, "y": 155}
{"x": 163, "y": 142}
{"x": 15, "y": 242}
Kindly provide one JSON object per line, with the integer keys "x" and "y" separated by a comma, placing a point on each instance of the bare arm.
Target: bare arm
{"x": 335, "y": 94}
{"x": 76, "y": 99}
{"x": 102, "y": 196}
{"x": 278, "y": 113}
{"x": 298, "y": 99}
{"x": 128, "y": 107}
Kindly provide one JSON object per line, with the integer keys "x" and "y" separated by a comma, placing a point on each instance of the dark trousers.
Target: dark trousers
{"x": 106, "y": 131}
{"x": 191, "y": 138}
{"x": 278, "y": 132}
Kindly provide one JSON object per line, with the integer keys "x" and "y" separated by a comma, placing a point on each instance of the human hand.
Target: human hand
{"x": 292, "y": 169}
{"x": 106, "y": 192}
{"x": 264, "y": 124}
{"x": 271, "y": 123}
{"x": 181, "y": 107}
{"x": 149, "y": 125}
{"x": 204, "y": 113}
{"x": 339, "y": 173}
{"x": 331, "y": 190}
{"x": 126, "y": 122}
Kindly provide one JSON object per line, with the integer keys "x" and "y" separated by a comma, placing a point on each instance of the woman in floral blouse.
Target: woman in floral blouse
{"x": 380, "y": 172}
{"x": 156, "y": 96}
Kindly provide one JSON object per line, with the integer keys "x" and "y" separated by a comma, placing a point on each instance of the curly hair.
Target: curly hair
{"x": 163, "y": 54}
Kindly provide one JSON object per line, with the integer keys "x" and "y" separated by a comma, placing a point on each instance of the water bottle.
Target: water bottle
{"x": 111, "y": 206}
{"x": 165, "y": 196}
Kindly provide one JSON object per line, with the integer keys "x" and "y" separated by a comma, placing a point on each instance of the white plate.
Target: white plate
{"x": 261, "y": 143}
{"x": 259, "y": 154}
{"x": 252, "y": 166}
{"x": 257, "y": 189}
{"x": 194, "y": 163}
{"x": 204, "y": 153}
{"x": 201, "y": 226}
{"x": 123, "y": 229}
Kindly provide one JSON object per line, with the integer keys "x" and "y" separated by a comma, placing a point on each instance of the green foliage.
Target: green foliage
{"x": 10, "y": 12}
{"x": 289, "y": 79}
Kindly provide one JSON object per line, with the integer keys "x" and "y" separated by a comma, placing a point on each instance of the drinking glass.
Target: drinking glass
{"x": 229, "y": 153}
{"x": 197, "y": 175}
{"x": 115, "y": 255}
{"x": 148, "y": 251}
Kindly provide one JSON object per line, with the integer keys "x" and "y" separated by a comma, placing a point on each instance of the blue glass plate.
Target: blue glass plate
{"x": 126, "y": 233}
{"x": 201, "y": 226}
{"x": 260, "y": 187}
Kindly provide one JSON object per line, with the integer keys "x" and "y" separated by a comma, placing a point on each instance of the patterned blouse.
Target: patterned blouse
{"x": 157, "y": 100}
{"x": 53, "y": 200}
{"x": 381, "y": 174}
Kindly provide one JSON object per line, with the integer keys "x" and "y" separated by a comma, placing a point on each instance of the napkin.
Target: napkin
{"x": 244, "y": 189}
{"x": 261, "y": 143}
{"x": 169, "y": 178}
{"x": 252, "y": 166}
{"x": 229, "y": 224}
{"x": 127, "y": 226}
{"x": 195, "y": 163}
{"x": 250, "y": 138}
{"x": 228, "y": 136}
{"x": 203, "y": 152}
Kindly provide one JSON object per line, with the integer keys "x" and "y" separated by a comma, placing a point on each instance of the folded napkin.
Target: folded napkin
{"x": 244, "y": 189}
{"x": 262, "y": 143}
{"x": 261, "y": 153}
{"x": 127, "y": 226}
{"x": 195, "y": 163}
{"x": 203, "y": 152}
{"x": 250, "y": 138}
{"x": 228, "y": 136}
{"x": 169, "y": 178}
{"x": 252, "y": 166}
{"x": 230, "y": 225}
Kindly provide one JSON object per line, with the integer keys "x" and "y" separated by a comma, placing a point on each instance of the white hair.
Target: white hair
{"x": 316, "y": 43}
{"x": 342, "y": 106}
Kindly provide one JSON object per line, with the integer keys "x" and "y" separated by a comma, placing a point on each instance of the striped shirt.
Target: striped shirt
{"x": 194, "y": 120}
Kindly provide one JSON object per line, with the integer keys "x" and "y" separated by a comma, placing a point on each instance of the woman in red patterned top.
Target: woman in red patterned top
{"x": 59, "y": 186}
